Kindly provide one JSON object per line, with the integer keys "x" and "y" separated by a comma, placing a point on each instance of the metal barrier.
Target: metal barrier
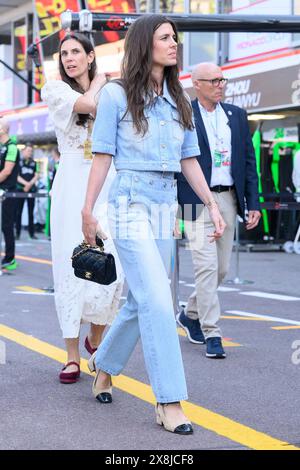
{"x": 236, "y": 279}
{"x": 15, "y": 195}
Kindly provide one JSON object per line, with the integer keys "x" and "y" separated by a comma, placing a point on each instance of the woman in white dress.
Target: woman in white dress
{"x": 72, "y": 103}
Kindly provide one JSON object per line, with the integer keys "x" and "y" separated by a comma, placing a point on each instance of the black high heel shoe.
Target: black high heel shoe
{"x": 178, "y": 428}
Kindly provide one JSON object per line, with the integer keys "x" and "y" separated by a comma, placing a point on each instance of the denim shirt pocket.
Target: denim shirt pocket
{"x": 177, "y": 129}
{"x": 134, "y": 144}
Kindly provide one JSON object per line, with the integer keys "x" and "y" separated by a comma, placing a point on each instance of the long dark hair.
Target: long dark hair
{"x": 88, "y": 47}
{"x": 136, "y": 73}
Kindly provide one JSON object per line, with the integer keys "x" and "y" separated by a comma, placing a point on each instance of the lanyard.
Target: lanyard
{"x": 214, "y": 126}
{"x": 218, "y": 155}
{"x": 215, "y": 129}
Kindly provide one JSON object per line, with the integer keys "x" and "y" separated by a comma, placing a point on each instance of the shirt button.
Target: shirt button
{"x": 136, "y": 178}
{"x": 163, "y": 146}
{"x": 164, "y": 166}
{"x": 162, "y": 123}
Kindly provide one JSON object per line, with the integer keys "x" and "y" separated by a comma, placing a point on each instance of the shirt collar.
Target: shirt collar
{"x": 166, "y": 95}
{"x": 205, "y": 112}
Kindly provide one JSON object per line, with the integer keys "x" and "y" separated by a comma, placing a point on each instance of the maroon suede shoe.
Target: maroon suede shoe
{"x": 69, "y": 377}
{"x": 88, "y": 347}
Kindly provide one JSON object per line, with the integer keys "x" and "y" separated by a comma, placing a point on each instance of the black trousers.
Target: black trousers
{"x": 8, "y": 219}
{"x": 19, "y": 210}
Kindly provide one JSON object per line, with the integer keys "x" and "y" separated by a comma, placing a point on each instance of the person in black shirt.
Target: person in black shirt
{"x": 27, "y": 178}
{"x": 9, "y": 168}
{"x": 55, "y": 157}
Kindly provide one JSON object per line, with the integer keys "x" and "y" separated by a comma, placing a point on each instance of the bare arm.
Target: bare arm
{"x": 98, "y": 173}
{"x": 21, "y": 180}
{"x": 87, "y": 103}
{"x": 34, "y": 179}
{"x": 31, "y": 182}
{"x": 194, "y": 175}
{"x": 28, "y": 184}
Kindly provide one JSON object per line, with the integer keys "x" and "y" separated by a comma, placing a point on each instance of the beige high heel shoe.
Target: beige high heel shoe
{"x": 104, "y": 395}
{"x": 91, "y": 362}
{"x": 184, "y": 427}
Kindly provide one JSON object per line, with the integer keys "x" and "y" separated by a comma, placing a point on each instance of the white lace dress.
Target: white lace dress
{"x": 76, "y": 300}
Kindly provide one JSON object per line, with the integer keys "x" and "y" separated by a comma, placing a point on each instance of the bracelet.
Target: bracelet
{"x": 211, "y": 203}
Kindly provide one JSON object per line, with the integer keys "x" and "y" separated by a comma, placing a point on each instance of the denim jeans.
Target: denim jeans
{"x": 142, "y": 208}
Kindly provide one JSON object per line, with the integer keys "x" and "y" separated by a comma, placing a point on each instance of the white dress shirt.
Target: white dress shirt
{"x": 219, "y": 139}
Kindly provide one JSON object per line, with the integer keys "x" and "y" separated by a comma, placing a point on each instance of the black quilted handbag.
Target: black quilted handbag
{"x": 93, "y": 264}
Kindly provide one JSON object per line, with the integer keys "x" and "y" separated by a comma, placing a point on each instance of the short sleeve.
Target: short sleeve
{"x": 12, "y": 153}
{"x": 104, "y": 136}
{"x": 190, "y": 147}
{"x": 60, "y": 98}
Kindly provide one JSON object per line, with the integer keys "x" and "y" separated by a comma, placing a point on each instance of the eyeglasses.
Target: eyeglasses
{"x": 214, "y": 81}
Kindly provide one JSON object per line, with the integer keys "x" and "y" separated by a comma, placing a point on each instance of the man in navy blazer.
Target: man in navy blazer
{"x": 228, "y": 162}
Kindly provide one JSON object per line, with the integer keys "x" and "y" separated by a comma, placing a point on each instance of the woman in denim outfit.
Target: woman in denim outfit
{"x": 145, "y": 122}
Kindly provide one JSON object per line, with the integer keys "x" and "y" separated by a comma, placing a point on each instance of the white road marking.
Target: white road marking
{"x": 266, "y": 295}
{"x": 31, "y": 293}
{"x": 228, "y": 289}
{"x": 221, "y": 288}
{"x": 266, "y": 317}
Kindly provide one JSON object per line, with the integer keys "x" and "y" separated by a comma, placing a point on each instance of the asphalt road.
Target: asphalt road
{"x": 250, "y": 400}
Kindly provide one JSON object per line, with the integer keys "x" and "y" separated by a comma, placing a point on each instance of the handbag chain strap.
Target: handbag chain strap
{"x": 85, "y": 246}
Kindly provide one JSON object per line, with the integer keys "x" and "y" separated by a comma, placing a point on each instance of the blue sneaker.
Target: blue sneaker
{"x": 214, "y": 348}
{"x": 191, "y": 327}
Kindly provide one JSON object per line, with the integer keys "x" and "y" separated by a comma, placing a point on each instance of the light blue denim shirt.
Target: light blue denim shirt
{"x": 160, "y": 149}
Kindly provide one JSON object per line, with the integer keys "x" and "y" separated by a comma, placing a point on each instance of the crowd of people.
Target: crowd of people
{"x": 19, "y": 174}
{"x": 131, "y": 150}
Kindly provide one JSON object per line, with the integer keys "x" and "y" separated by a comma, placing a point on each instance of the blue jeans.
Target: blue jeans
{"x": 142, "y": 208}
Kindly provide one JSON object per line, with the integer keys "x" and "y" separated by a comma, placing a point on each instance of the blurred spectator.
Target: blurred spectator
{"x": 41, "y": 204}
{"x": 296, "y": 173}
{"x": 55, "y": 156}
{"x": 27, "y": 179}
{"x": 9, "y": 168}
{"x": 52, "y": 169}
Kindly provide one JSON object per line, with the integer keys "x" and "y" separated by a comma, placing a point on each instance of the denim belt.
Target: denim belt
{"x": 220, "y": 188}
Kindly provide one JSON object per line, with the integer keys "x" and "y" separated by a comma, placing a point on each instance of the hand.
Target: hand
{"x": 26, "y": 188}
{"x": 90, "y": 227}
{"x": 99, "y": 80}
{"x": 177, "y": 232}
{"x": 218, "y": 222}
{"x": 253, "y": 219}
